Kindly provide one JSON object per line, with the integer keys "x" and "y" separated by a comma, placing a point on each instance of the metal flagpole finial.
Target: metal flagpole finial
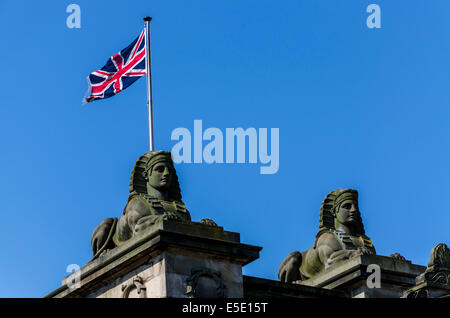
{"x": 147, "y": 19}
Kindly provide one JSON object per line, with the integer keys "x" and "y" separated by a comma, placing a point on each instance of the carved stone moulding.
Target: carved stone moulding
{"x": 136, "y": 283}
{"x": 205, "y": 283}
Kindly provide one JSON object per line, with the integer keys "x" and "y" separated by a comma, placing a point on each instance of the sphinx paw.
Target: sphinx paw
{"x": 208, "y": 222}
{"x": 398, "y": 256}
{"x": 171, "y": 217}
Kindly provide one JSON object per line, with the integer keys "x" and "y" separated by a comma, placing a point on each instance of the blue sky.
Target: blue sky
{"x": 356, "y": 107}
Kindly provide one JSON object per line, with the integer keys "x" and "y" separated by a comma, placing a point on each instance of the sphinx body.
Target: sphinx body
{"x": 154, "y": 195}
{"x": 341, "y": 236}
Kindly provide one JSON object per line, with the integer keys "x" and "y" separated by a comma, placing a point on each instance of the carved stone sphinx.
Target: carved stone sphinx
{"x": 438, "y": 270}
{"x": 154, "y": 195}
{"x": 341, "y": 236}
{"x": 435, "y": 281}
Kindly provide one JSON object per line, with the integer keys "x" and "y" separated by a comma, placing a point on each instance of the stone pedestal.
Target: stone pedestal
{"x": 351, "y": 276}
{"x": 170, "y": 259}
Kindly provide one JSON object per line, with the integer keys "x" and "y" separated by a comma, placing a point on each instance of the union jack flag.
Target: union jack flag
{"x": 120, "y": 71}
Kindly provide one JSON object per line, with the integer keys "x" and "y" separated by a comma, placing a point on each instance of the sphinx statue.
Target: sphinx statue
{"x": 341, "y": 236}
{"x": 438, "y": 270}
{"x": 154, "y": 195}
{"x": 435, "y": 281}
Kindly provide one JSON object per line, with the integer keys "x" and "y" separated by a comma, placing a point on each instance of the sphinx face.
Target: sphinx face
{"x": 347, "y": 213}
{"x": 161, "y": 176}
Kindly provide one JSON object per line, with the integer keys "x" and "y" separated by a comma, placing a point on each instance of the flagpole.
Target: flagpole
{"x": 148, "y": 65}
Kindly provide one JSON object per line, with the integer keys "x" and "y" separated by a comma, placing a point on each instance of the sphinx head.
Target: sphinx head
{"x": 345, "y": 208}
{"x": 340, "y": 210}
{"x": 155, "y": 170}
{"x": 159, "y": 172}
